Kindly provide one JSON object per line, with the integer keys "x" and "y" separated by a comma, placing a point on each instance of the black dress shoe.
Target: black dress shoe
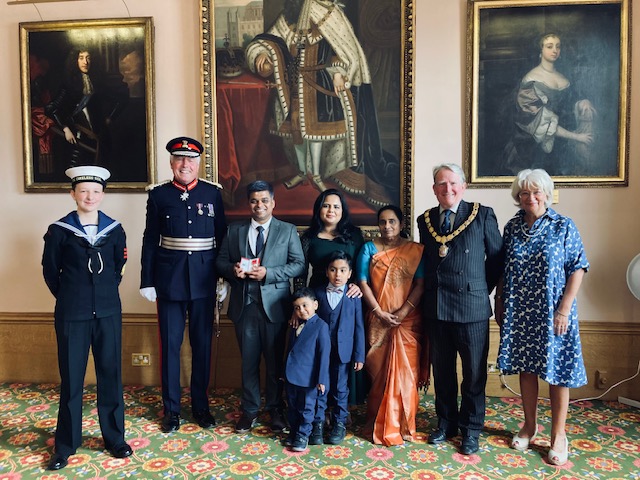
{"x": 204, "y": 419}
{"x": 469, "y": 445}
{"x": 57, "y": 462}
{"x": 121, "y": 451}
{"x": 288, "y": 442}
{"x": 245, "y": 424}
{"x": 170, "y": 422}
{"x": 278, "y": 423}
{"x": 440, "y": 435}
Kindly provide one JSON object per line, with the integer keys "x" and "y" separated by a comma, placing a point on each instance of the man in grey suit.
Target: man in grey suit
{"x": 463, "y": 261}
{"x": 258, "y": 257}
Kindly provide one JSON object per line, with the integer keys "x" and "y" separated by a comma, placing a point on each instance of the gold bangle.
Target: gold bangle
{"x": 561, "y": 314}
{"x": 375, "y": 309}
{"x": 412, "y": 305}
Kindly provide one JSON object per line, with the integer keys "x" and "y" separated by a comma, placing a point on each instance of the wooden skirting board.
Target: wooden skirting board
{"x": 28, "y": 354}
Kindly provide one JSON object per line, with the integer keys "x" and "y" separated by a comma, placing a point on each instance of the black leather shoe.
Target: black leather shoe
{"x": 204, "y": 419}
{"x": 440, "y": 435}
{"x": 469, "y": 445}
{"x": 288, "y": 442}
{"x": 277, "y": 421}
{"x": 245, "y": 424}
{"x": 121, "y": 451}
{"x": 170, "y": 422}
{"x": 316, "y": 437}
{"x": 57, "y": 462}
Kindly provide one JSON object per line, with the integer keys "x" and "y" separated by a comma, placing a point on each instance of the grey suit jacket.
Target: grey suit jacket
{"x": 457, "y": 287}
{"x": 282, "y": 257}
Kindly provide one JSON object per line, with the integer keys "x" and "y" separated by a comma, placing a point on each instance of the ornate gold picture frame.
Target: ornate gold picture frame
{"x": 241, "y": 135}
{"x": 87, "y": 99}
{"x": 548, "y": 87}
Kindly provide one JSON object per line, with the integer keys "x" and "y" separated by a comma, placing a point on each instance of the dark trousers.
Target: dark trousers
{"x": 302, "y": 407}
{"x": 171, "y": 321}
{"x": 471, "y": 342}
{"x": 337, "y": 392}
{"x": 258, "y": 337}
{"x": 104, "y": 336}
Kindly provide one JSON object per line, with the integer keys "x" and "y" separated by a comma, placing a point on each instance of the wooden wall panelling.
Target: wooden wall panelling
{"x": 28, "y": 354}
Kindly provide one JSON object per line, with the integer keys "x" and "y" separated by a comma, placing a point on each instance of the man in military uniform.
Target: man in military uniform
{"x": 185, "y": 224}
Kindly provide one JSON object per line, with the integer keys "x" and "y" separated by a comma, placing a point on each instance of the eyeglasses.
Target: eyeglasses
{"x": 527, "y": 194}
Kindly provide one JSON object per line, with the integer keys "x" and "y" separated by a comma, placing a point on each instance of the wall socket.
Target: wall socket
{"x": 140, "y": 359}
{"x": 492, "y": 368}
{"x": 602, "y": 379}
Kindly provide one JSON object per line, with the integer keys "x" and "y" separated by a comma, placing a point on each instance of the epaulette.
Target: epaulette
{"x": 154, "y": 185}
{"x": 215, "y": 184}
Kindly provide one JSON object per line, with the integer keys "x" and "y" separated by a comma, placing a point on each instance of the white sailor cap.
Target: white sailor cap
{"x": 88, "y": 173}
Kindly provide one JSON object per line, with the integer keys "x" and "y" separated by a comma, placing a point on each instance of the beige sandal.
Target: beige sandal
{"x": 557, "y": 458}
{"x": 522, "y": 443}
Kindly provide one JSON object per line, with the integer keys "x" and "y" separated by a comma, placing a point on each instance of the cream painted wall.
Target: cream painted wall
{"x": 26, "y": 216}
{"x": 608, "y": 218}
{"x": 439, "y": 136}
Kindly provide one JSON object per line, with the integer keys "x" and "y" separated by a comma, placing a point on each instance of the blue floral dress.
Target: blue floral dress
{"x": 538, "y": 263}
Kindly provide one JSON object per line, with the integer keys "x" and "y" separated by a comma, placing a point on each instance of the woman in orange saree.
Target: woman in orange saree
{"x": 391, "y": 278}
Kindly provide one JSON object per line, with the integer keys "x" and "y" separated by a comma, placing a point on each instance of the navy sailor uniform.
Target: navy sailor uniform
{"x": 83, "y": 273}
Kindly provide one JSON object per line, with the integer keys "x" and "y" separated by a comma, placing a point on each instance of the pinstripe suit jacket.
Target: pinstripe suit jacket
{"x": 457, "y": 286}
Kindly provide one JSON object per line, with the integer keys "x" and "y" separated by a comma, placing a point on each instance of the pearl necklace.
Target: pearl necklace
{"x": 531, "y": 232}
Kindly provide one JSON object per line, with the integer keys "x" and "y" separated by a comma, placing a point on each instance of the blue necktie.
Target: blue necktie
{"x": 446, "y": 223}
{"x": 259, "y": 240}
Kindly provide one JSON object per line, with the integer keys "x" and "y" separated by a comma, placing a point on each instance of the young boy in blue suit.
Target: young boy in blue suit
{"x": 306, "y": 369}
{"x": 346, "y": 330}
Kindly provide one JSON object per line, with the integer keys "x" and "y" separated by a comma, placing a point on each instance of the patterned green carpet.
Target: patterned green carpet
{"x": 604, "y": 443}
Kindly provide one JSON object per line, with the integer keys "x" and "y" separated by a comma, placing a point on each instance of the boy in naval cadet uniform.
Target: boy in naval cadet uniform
{"x": 83, "y": 261}
{"x": 184, "y": 227}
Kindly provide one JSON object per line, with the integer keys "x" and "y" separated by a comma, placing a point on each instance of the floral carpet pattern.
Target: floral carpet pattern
{"x": 604, "y": 443}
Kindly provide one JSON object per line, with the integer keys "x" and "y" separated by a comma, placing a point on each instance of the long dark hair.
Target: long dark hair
{"x": 345, "y": 228}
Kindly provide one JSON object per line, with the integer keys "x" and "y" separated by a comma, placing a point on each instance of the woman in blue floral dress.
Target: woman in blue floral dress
{"x": 536, "y": 308}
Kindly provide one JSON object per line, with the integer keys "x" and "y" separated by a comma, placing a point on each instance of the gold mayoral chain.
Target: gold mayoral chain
{"x": 444, "y": 249}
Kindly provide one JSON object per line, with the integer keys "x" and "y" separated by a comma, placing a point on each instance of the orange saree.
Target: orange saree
{"x": 394, "y": 360}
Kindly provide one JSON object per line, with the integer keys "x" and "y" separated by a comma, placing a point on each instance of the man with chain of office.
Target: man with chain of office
{"x": 463, "y": 258}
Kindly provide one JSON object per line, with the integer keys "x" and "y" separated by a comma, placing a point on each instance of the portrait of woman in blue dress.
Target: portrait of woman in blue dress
{"x": 553, "y": 129}
{"x": 536, "y": 307}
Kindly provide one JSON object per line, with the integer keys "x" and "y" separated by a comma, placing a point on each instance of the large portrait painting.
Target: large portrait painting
{"x": 548, "y": 88}
{"x": 309, "y": 95}
{"x": 87, "y": 99}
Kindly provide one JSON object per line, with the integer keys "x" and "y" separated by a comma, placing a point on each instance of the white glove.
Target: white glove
{"x": 222, "y": 290}
{"x": 149, "y": 293}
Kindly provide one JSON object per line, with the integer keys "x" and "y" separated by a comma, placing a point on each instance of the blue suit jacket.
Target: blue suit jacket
{"x": 282, "y": 257}
{"x": 309, "y": 353}
{"x": 457, "y": 287}
{"x": 350, "y": 333}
